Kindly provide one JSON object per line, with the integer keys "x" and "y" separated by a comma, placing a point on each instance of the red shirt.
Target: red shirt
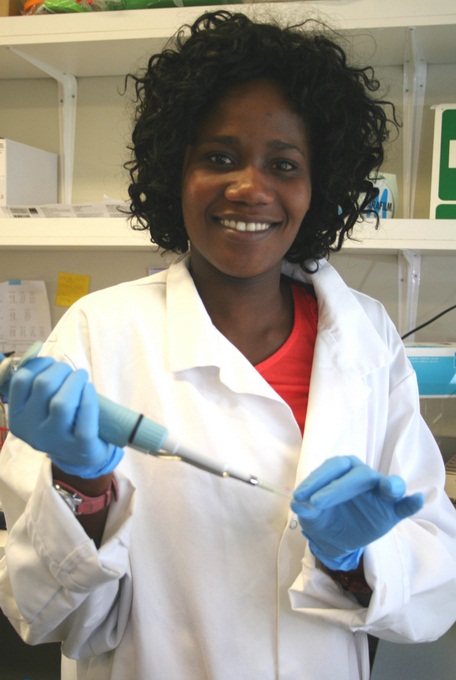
{"x": 288, "y": 370}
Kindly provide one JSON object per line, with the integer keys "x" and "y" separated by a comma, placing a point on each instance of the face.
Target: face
{"x": 246, "y": 183}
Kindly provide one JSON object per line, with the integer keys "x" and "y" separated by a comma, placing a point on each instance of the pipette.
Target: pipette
{"x": 121, "y": 426}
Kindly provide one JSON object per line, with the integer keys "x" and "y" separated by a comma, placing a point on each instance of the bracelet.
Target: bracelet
{"x": 80, "y": 504}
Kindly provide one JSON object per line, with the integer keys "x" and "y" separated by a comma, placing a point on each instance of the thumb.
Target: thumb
{"x": 409, "y": 505}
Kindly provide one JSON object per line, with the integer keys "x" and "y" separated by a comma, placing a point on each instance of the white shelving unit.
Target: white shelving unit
{"x": 392, "y": 236}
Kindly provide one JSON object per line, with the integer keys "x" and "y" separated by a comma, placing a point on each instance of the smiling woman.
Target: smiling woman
{"x": 246, "y": 182}
{"x": 346, "y": 126}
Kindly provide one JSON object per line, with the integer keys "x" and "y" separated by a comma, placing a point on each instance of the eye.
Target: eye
{"x": 220, "y": 158}
{"x": 285, "y": 165}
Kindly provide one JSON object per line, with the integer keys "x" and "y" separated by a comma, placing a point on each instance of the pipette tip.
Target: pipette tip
{"x": 285, "y": 493}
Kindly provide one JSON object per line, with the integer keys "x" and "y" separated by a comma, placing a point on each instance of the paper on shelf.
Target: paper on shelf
{"x": 25, "y": 315}
{"x": 112, "y": 208}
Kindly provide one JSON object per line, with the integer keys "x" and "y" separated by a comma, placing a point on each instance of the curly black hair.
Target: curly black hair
{"x": 347, "y": 125}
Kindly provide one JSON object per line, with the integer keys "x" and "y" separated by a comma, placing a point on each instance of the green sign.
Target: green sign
{"x": 447, "y": 179}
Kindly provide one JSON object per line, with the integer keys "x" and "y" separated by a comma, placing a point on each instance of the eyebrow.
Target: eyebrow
{"x": 275, "y": 144}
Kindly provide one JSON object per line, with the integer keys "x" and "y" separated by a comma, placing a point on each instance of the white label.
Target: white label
{"x": 452, "y": 154}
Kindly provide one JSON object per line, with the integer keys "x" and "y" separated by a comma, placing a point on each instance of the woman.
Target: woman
{"x": 252, "y": 144}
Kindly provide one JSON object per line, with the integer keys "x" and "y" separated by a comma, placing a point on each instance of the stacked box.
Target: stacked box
{"x": 28, "y": 176}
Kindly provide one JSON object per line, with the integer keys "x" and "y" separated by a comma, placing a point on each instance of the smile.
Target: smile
{"x": 245, "y": 226}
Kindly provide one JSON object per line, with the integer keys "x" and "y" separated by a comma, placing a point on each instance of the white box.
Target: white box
{"x": 435, "y": 368}
{"x": 28, "y": 176}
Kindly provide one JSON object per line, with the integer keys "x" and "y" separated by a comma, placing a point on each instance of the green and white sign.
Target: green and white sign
{"x": 443, "y": 186}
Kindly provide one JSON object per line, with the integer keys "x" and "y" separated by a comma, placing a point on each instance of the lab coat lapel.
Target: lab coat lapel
{"x": 194, "y": 343}
{"x": 339, "y": 383}
{"x": 191, "y": 336}
{"x": 335, "y": 397}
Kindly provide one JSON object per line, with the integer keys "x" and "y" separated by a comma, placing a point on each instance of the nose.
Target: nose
{"x": 249, "y": 185}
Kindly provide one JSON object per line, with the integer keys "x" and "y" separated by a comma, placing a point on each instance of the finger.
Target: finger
{"x": 354, "y": 483}
{"x": 409, "y": 505}
{"x": 304, "y": 510}
{"x": 64, "y": 405}
{"x": 29, "y": 380}
{"x": 331, "y": 469}
{"x": 86, "y": 423}
{"x": 392, "y": 487}
{"x": 35, "y": 366}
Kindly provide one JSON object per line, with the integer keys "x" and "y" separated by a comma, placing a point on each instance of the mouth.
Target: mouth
{"x": 241, "y": 225}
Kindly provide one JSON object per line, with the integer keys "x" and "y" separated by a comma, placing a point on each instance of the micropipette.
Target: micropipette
{"x": 121, "y": 426}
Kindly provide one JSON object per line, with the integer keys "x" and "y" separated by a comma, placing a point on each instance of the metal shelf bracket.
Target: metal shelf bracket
{"x": 67, "y": 94}
{"x": 414, "y": 89}
{"x": 409, "y": 270}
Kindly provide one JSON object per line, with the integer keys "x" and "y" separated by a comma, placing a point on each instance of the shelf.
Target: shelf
{"x": 71, "y": 233}
{"x": 115, "y": 43}
{"x": 392, "y": 236}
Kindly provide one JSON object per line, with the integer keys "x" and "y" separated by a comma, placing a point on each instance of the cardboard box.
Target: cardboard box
{"x": 10, "y": 8}
{"x": 443, "y": 184}
{"x": 28, "y": 176}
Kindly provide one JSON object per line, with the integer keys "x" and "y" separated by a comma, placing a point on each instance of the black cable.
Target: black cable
{"x": 426, "y": 323}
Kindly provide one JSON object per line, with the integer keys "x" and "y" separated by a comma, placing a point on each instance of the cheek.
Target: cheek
{"x": 195, "y": 192}
{"x": 190, "y": 198}
{"x": 301, "y": 203}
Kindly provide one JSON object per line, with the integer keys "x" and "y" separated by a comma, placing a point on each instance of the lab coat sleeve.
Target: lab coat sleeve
{"x": 412, "y": 569}
{"x": 54, "y": 584}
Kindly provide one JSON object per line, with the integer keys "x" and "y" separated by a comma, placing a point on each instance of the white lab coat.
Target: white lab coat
{"x": 203, "y": 578}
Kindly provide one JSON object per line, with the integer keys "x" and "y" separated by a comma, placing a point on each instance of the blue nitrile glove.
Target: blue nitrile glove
{"x": 55, "y": 410}
{"x": 344, "y": 504}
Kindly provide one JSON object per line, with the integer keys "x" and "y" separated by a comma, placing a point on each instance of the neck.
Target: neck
{"x": 255, "y": 314}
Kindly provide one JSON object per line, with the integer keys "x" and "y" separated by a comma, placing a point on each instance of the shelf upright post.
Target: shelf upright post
{"x": 414, "y": 88}
{"x": 67, "y": 94}
{"x": 409, "y": 270}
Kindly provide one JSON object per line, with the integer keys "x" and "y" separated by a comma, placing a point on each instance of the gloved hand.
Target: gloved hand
{"x": 55, "y": 410}
{"x": 344, "y": 504}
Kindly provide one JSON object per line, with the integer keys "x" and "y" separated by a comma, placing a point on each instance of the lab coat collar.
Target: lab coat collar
{"x": 343, "y": 324}
{"x": 192, "y": 338}
{"x": 194, "y": 342}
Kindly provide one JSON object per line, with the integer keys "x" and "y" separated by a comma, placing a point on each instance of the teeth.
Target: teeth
{"x": 245, "y": 226}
